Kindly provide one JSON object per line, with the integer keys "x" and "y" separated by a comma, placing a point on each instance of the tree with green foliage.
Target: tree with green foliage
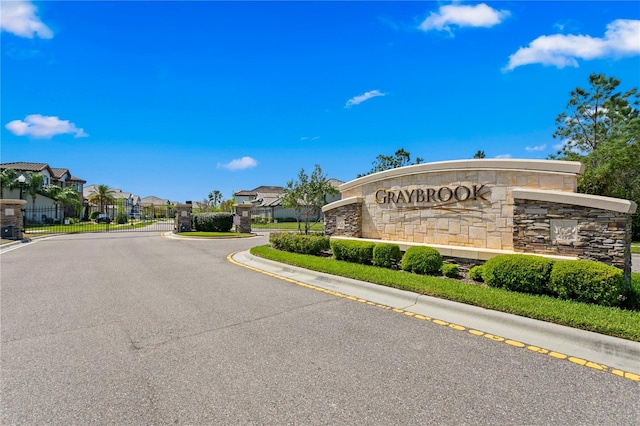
{"x": 8, "y": 180}
{"x": 601, "y": 128}
{"x": 479, "y": 154}
{"x": 215, "y": 197}
{"x": 103, "y": 195}
{"x": 227, "y": 206}
{"x": 401, "y": 158}
{"x": 308, "y": 194}
{"x": 32, "y": 186}
{"x": 67, "y": 196}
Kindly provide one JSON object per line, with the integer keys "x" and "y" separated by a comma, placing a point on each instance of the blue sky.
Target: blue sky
{"x": 176, "y": 99}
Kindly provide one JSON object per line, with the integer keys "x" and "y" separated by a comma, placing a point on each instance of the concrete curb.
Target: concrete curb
{"x": 597, "y": 348}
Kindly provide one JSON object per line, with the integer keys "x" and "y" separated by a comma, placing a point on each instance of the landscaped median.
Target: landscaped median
{"x": 611, "y": 321}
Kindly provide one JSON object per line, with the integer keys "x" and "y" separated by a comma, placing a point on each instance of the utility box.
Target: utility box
{"x": 8, "y": 232}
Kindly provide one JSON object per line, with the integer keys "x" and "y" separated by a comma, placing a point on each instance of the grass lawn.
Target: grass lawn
{"x": 605, "y": 320}
{"x": 635, "y": 247}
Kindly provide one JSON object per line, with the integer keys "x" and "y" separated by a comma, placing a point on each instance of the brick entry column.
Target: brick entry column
{"x": 183, "y": 218}
{"x": 12, "y": 219}
{"x": 243, "y": 212}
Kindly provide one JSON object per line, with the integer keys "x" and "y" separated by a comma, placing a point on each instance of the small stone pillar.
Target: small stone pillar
{"x": 243, "y": 218}
{"x": 343, "y": 218}
{"x": 12, "y": 219}
{"x": 183, "y": 218}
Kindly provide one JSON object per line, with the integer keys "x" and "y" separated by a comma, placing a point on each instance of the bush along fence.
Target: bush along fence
{"x": 578, "y": 280}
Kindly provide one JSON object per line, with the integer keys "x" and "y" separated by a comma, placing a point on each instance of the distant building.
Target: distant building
{"x": 61, "y": 177}
{"x": 267, "y": 201}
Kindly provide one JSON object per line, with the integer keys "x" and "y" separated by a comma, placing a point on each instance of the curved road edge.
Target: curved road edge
{"x": 618, "y": 356}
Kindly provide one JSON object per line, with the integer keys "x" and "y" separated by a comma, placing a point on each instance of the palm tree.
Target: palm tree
{"x": 32, "y": 186}
{"x": 215, "y": 197}
{"x": 102, "y": 195}
{"x": 7, "y": 180}
{"x": 63, "y": 196}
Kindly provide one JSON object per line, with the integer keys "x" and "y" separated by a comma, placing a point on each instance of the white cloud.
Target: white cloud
{"x": 459, "y": 15}
{"x": 364, "y": 97}
{"x": 45, "y": 127}
{"x": 536, "y": 148}
{"x": 19, "y": 18}
{"x": 307, "y": 138}
{"x": 622, "y": 38}
{"x": 503, "y": 156}
{"x": 240, "y": 164}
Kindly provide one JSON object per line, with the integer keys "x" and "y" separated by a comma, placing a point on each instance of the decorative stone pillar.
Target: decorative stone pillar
{"x": 581, "y": 225}
{"x": 12, "y": 219}
{"x": 182, "y": 218}
{"x": 242, "y": 220}
{"x": 343, "y": 218}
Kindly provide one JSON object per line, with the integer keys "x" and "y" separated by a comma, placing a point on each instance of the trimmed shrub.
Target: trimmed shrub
{"x": 94, "y": 215}
{"x": 386, "y": 255}
{"x": 587, "y": 281}
{"x": 475, "y": 273}
{"x": 524, "y": 273}
{"x": 421, "y": 260}
{"x": 450, "y": 270}
{"x": 121, "y": 218}
{"x": 213, "y": 222}
{"x": 299, "y": 243}
{"x": 633, "y": 295}
{"x": 353, "y": 251}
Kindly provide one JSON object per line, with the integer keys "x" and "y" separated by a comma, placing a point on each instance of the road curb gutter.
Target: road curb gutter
{"x": 605, "y": 353}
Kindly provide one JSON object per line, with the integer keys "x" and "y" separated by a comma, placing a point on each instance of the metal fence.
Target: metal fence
{"x": 56, "y": 220}
{"x": 281, "y": 218}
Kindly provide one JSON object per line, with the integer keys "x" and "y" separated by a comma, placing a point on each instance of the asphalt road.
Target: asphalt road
{"x": 139, "y": 329}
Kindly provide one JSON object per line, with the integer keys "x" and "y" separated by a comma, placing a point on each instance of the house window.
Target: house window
{"x": 45, "y": 181}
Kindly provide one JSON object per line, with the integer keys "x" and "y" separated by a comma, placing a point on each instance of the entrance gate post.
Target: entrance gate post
{"x": 243, "y": 211}
{"x": 182, "y": 218}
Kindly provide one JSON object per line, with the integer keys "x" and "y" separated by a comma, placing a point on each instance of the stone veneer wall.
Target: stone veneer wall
{"x": 182, "y": 218}
{"x": 243, "y": 211}
{"x": 584, "y": 231}
{"x": 11, "y": 215}
{"x": 478, "y": 223}
{"x": 344, "y": 220}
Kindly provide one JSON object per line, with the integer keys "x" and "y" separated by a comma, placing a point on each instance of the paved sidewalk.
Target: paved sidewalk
{"x": 612, "y": 352}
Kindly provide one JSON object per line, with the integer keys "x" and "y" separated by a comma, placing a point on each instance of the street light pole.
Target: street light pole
{"x": 21, "y": 181}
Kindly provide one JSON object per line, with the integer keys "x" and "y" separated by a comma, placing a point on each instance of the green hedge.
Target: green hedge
{"x": 475, "y": 273}
{"x": 386, "y": 255}
{"x": 450, "y": 270}
{"x": 353, "y": 251}
{"x": 421, "y": 260}
{"x": 518, "y": 272}
{"x": 299, "y": 243}
{"x": 587, "y": 281}
{"x": 213, "y": 222}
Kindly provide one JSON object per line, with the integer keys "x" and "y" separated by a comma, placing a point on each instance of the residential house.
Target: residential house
{"x": 156, "y": 206}
{"x": 267, "y": 201}
{"x": 61, "y": 177}
{"x": 126, "y": 201}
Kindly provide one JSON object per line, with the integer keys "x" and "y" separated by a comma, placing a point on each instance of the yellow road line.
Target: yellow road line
{"x": 513, "y": 343}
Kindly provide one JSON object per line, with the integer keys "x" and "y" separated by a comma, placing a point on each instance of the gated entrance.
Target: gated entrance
{"x": 56, "y": 220}
{"x": 282, "y": 218}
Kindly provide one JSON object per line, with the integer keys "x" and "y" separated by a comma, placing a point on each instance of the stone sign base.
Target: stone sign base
{"x": 477, "y": 209}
